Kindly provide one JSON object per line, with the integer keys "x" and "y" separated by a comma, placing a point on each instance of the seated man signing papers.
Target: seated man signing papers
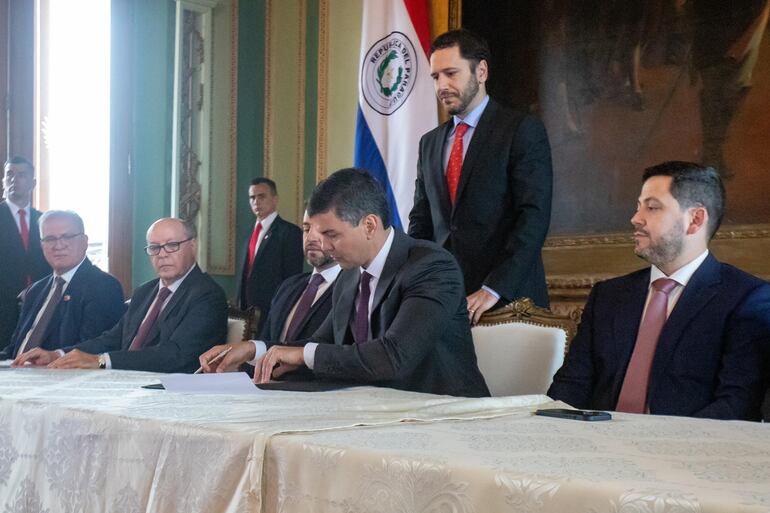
{"x": 686, "y": 336}
{"x": 398, "y": 317}
{"x": 170, "y": 319}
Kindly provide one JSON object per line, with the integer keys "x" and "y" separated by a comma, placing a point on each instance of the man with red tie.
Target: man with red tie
{"x": 272, "y": 252}
{"x": 483, "y": 188}
{"x": 398, "y": 316}
{"x": 688, "y": 336}
{"x": 169, "y": 321}
{"x": 20, "y": 252}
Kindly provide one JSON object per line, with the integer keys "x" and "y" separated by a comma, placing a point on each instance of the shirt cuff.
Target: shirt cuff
{"x": 60, "y": 352}
{"x": 308, "y": 353}
{"x": 107, "y": 361}
{"x": 497, "y": 296}
{"x": 259, "y": 351}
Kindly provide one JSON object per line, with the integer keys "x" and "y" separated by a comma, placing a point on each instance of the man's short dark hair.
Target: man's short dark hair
{"x": 694, "y": 185}
{"x": 20, "y": 160}
{"x": 262, "y": 180}
{"x": 473, "y": 47}
{"x": 351, "y": 194}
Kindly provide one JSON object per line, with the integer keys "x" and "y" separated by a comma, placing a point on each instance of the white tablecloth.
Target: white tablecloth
{"x": 74, "y": 441}
{"x": 525, "y": 463}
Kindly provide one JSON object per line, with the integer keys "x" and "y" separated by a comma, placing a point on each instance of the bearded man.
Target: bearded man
{"x": 688, "y": 336}
{"x": 484, "y": 180}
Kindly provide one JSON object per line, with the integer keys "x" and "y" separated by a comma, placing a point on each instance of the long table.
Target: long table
{"x": 96, "y": 441}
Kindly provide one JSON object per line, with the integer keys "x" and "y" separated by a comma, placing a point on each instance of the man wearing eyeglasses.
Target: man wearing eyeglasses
{"x": 20, "y": 253}
{"x": 170, "y": 321}
{"x": 78, "y": 301}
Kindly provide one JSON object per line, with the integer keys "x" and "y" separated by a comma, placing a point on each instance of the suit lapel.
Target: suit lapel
{"x": 395, "y": 260}
{"x": 440, "y": 194}
{"x": 343, "y": 308}
{"x": 628, "y": 317}
{"x": 481, "y": 136}
{"x": 267, "y": 238}
{"x": 315, "y": 306}
{"x": 702, "y": 288}
{"x": 11, "y": 227}
{"x": 143, "y": 306}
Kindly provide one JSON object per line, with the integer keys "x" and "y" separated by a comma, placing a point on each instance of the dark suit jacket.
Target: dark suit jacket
{"x": 502, "y": 210}
{"x": 419, "y": 322}
{"x": 284, "y": 300}
{"x": 278, "y": 257}
{"x": 17, "y": 264}
{"x": 709, "y": 358}
{"x": 193, "y": 321}
{"x": 92, "y": 304}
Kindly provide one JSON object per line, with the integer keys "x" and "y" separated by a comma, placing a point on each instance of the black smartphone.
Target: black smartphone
{"x": 564, "y": 413}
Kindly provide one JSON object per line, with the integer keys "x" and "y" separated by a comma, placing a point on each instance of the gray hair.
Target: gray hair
{"x": 61, "y": 214}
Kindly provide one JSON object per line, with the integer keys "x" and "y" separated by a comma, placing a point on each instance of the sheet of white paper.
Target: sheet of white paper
{"x": 5, "y": 364}
{"x": 224, "y": 383}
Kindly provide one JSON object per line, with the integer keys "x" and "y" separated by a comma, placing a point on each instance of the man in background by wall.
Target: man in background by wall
{"x": 21, "y": 256}
{"x": 272, "y": 251}
{"x": 483, "y": 188}
{"x": 78, "y": 301}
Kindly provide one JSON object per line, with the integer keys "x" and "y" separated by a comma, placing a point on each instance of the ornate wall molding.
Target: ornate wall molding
{"x": 323, "y": 89}
{"x": 730, "y": 232}
{"x": 301, "y": 84}
{"x": 267, "y": 132}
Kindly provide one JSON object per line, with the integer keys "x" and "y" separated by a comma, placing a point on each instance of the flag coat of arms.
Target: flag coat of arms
{"x": 396, "y": 99}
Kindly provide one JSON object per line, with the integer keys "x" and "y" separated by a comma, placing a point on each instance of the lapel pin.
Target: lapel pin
{"x": 66, "y": 297}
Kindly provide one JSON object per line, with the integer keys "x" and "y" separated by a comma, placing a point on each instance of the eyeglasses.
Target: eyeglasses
{"x": 64, "y": 239}
{"x": 169, "y": 247}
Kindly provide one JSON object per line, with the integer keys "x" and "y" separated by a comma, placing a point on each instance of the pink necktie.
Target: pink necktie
{"x": 253, "y": 245}
{"x": 149, "y": 321}
{"x": 633, "y": 393}
{"x": 455, "y": 162}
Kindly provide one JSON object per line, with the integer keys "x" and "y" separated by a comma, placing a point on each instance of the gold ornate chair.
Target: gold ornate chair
{"x": 519, "y": 347}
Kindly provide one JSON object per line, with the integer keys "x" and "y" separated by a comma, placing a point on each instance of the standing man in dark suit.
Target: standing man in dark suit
{"x": 272, "y": 252}
{"x": 169, "y": 322}
{"x": 20, "y": 253}
{"x": 78, "y": 301}
{"x": 483, "y": 188}
{"x": 303, "y": 301}
{"x": 687, "y": 336}
{"x": 398, "y": 315}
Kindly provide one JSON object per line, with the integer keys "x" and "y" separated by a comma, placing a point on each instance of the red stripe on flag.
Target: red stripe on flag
{"x": 420, "y": 15}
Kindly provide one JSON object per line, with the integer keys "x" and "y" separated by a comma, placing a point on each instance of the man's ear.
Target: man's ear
{"x": 699, "y": 218}
{"x": 370, "y": 222}
{"x": 482, "y": 71}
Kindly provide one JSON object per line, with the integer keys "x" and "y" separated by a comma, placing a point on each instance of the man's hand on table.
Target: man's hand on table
{"x": 76, "y": 359}
{"x": 278, "y": 361}
{"x": 240, "y": 352}
{"x": 36, "y": 357}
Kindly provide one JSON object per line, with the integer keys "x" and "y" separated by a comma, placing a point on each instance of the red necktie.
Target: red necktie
{"x": 24, "y": 228}
{"x": 149, "y": 321}
{"x": 455, "y": 162}
{"x": 361, "y": 325}
{"x": 633, "y": 394}
{"x": 253, "y": 244}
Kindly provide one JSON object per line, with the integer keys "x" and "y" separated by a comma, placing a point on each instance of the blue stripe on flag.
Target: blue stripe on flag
{"x": 367, "y": 156}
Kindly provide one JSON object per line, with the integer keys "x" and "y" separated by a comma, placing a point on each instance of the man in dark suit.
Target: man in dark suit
{"x": 272, "y": 252}
{"x": 490, "y": 206}
{"x": 20, "y": 253}
{"x": 169, "y": 322}
{"x": 398, "y": 316}
{"x": 303, "y": 301}
{"x": 687, "y": 336}
{"x": 78, "y": 301}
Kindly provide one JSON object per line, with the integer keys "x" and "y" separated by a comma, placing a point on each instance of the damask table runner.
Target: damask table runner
{"x": 524, "y": 463}
{"x": 74, "y": 441}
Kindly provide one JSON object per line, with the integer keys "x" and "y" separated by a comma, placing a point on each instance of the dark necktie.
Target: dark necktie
{"x": 149, "y": 321}
{"x": 303, "y": 307}
{"x": 39, "y": 329}
{"x": 361, "y": 326}
{"x": 455, "y": 164}
{"x": 24, "y": 228}
{"x": 633, "y": 394}
{"x": 253, "y": 245}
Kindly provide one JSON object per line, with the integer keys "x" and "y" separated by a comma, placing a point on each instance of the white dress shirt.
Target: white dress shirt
{"x": 15, "y": 211}
{"x": 266, "y": 224}
{"x": 681, "y": 276}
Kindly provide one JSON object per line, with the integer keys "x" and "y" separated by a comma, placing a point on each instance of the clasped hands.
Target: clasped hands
{"x": 275, "y": 363}
{"x": 75, "y": 359}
